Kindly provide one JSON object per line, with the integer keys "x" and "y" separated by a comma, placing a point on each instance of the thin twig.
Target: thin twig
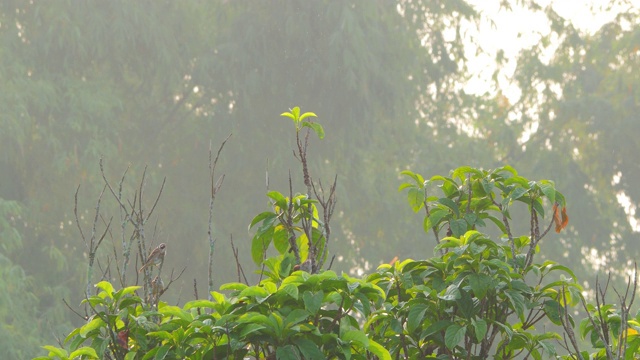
{"x": 215, "y": 187}
{"x": 239, "y": 268}
{"x": 564, "y": 319}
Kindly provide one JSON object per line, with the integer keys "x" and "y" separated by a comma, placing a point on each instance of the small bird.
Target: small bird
{"x": 156, "y": 257}
{"x": 157, "y": 286}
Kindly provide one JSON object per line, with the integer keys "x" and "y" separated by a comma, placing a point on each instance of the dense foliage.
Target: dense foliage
{"x": 480, "y": 297}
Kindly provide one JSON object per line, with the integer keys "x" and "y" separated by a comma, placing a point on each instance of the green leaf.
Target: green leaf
{"x": 202, "y": 303}
{"x": 126, "y": 291}
{"x": 162, "y": 335}
{"x": 480, "y": 328}
{"x": 415, "y": 196}
{"x": 452, "y": 293}
{"x": 289, "y": 115}
{"x": 254, "y": 291}
{"x": 296, "y": 316}
{"x": 262, "y": 216}
{"x": 437, "y": 327}
{"x": 498, "y": 223}
{"x": 84, "y": 351}
{"x": 162, "y": 352}
{"x": 562, "y": 268}
{"x": 106, "y": 287}
{"x": 253, "y": 318}
{"x": 549, "y": 190}
{"x": 454, "y": 335}
{"x": 308, "y": 348}
{"x": 521, "y": 286}
{"x": 487, "y": 185}
{"x": 434, "y": 218}
{"x": 517, "y": 301}
{"x": 471, "y": 218}
{"x": 233, "y": 286}
{"x": 128, "y": 301}
{"x": 259, "y": 244}
{"x": 480, "y": 284}
{"x": 250, "y": 328}
{"x": 54, "y": 351}
{"x": 356, "y": 336}
{"x": 279, "y": 199}
{"x": 290, "y": 289}
{"x": 461, "y": 172}
{"x": 287, "y": 352}
{"x": 315, "y": 127}
{"x": 296, "y": 112}
{"x": 553, "y": 311}
{"x": 170, "y": 310}
{"x": 312, "y": 301}
{"x": 281, "y": 239}
{"x": 506, "y": 168}
{"x": 306, "y": 115}
{"x": 94, "y": 324}
{"x": 378, "y": 350}
{"x": 458, "y": 227}
{"x": 405, "y": 185}
{"x": 415, "y": 317}
{"x": 537, "y": 206}
{"x": 416, "y": 177}
{"x": 451, "y": 205}
{"x": 517, "y": 193}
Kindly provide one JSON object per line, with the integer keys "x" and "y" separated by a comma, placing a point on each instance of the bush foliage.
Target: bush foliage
{"x": 480, "y": 296}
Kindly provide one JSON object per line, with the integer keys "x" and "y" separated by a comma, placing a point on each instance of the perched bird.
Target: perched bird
{"x": 305, "y": 266}
{"x": 157, "y": 286}
{"x": 156, "y": 257}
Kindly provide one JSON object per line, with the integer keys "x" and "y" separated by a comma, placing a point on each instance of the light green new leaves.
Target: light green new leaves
{"x": 298, "y": 120}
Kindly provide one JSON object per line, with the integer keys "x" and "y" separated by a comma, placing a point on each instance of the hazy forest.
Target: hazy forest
{"x": 140, "y": 94}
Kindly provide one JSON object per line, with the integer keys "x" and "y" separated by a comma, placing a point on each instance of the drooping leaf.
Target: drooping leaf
{"x": 317, "y": 128}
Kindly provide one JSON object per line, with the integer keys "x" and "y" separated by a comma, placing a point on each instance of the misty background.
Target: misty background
{"x": 396, "y": 85}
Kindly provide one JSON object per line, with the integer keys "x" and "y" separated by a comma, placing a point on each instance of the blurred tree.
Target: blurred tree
{"x": 373, "y": 69}
{"x": 82, "y": 81}
{"x": 154, "y": 82}
{"x": 577, "y": 121}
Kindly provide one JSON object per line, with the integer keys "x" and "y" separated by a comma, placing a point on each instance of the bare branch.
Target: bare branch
{"x": 164, "y": 180}
{"x": 564, "y": 319}
{"x": 214, "y": 191}
{"x": 239, "y": 268}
